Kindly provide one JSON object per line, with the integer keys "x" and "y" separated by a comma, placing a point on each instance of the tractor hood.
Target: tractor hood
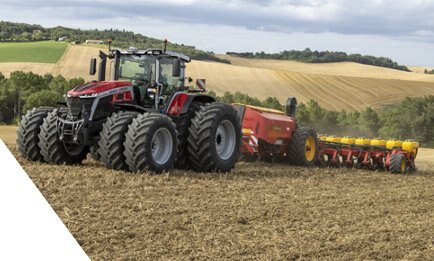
{"x": 94, "y": 88}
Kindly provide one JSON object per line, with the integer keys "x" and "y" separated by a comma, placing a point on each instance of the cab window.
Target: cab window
{"x": 166, "y": 70}
{"x": 137, "y": 67}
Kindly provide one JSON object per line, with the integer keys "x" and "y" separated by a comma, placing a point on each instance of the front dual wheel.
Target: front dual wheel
{"x": 54, "y": 150}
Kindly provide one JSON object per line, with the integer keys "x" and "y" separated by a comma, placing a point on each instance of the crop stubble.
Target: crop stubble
{"x": 260, "y": 211}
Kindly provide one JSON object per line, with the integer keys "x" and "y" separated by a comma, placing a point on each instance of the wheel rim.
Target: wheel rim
{"x": 162, "y": 146}
{"x": 403, "y": 165}
{"x": 73, "y": 149}
{"x": 310, "y": 148}
{"x": 225, "y": 139}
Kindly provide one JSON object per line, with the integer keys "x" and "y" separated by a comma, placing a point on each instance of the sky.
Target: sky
{"x": 400, "y": 29}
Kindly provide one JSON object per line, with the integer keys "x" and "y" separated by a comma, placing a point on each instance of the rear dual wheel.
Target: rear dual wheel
{"x": 210, "y": 145}
{"x": 183, "y": 156}
{"x": 151, "y": 143}
{"x": 112, "y": 137}
{"x": 214, "y": 138}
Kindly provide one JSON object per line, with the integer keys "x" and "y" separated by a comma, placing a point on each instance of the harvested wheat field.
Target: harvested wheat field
{"x": 338, "y": 69}
{"x": 259, "y": 211}
{"x": 330, "y": 91}
{"x": 38, "y": 68}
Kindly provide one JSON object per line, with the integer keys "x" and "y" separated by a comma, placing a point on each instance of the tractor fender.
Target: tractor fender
{"x": 202, "y": 98}
{"x": 181, "y": 101}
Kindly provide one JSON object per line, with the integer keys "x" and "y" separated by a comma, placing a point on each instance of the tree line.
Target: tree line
{"x": 25, "y": 90}
{"x": 22, "y": 32}
{"x": 413, "y": 118}
{"x": 309, "y": 56}
{"x": 428, "y": 71}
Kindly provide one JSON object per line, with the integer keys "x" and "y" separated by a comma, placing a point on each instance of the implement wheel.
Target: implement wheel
{"x": 303, "y": 147}
{"x": 398, "y": 163}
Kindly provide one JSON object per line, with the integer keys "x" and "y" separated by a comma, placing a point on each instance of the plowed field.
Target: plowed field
{"x": 259, "y": 211}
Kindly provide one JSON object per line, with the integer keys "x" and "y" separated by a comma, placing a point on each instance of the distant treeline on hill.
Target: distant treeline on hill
{"x": 21, "y": 32}
{"x": 308, "y": 56}
{"x": 413, "y": 118}
{"x": 428, "y": 71}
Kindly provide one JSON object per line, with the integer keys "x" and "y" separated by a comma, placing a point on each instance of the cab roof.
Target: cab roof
{"x": 153, "y": 51}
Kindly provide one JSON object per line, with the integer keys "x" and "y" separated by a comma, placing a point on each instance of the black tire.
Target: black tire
{"x": 112, "y": 137}
{"x": 183, "y": 156}
{"x": 52, "y": 149}
{"x": 396, "y": 161}
{"x": 298, "y": 149}
{"x": 204, "y": 135}
{"x": 28, "y": 130}
{"x": 139, "y": 143}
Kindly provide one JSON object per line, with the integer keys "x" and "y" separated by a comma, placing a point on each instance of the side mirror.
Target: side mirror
{"x": 176, "y": 69}
{"x": 92, "y": 69}
{"x": 102, "y": 66}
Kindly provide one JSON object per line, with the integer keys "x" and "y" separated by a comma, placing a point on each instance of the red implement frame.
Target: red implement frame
{"x": 361, "y": 156}
{"x": 266, "y": 132}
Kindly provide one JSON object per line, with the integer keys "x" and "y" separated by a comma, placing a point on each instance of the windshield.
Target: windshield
{"x": 137, "y": 67}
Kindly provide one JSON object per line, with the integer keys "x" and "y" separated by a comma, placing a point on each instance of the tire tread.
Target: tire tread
{"x": 28, "y": 131}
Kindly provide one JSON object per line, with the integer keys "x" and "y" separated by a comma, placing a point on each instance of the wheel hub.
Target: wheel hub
{"x": 310, "y": 148}
{"x": 161, "y": 146}
{"x": 225, "y": 139}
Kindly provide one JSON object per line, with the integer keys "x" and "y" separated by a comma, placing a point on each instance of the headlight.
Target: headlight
{"x": 89, "y": 95}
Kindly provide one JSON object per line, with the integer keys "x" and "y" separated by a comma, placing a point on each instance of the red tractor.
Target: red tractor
{"x": 144, "y": 118}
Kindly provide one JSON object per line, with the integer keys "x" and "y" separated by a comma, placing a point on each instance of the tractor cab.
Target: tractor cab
{"x": 155, "y": 74}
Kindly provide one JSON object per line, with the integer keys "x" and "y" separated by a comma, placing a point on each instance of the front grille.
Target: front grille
{"x": 77, "y": 105}
{"x": 104, "y": 108}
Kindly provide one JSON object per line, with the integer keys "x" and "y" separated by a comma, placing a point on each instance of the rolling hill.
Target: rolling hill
{"x": 337, "y": 86}
{"x": 338, "y": 69}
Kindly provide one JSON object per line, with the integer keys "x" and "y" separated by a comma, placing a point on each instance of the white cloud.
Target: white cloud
{"x": 132, "y": 2}
{"x": 402, "y": 30}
